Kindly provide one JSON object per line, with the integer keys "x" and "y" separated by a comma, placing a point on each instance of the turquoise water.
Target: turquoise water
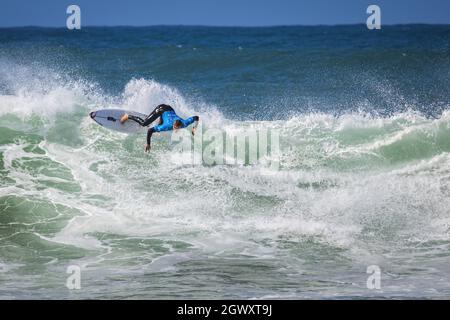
{"x": 364, "y": 176}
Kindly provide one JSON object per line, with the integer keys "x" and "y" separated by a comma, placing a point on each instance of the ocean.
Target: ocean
{"x": 363, "y": 181}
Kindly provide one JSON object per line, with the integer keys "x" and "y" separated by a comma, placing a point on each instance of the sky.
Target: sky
{"x": 52, "y": 13}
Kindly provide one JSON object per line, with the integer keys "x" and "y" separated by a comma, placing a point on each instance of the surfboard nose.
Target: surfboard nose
{"x": 92, "y": 114}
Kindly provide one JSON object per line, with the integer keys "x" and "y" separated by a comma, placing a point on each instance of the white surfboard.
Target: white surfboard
{"x": 110, "y": 118}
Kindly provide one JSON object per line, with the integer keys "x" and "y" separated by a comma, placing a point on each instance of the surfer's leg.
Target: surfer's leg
{"x": 155, "y": 114}
{"x": 150, "y": 118}
{"x": 136, "y": 118}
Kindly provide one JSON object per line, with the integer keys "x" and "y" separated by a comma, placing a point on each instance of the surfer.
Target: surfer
{"x": 168, "y": 120}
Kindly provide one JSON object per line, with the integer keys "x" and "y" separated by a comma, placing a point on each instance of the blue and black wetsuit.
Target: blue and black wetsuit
{"x": 167, "y": 117}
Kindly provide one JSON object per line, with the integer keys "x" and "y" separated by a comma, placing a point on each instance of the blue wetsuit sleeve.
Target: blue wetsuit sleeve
{"x": 189, "y": 121}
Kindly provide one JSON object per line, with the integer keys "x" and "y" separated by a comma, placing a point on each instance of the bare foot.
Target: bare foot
{"x": 124, "y": 118}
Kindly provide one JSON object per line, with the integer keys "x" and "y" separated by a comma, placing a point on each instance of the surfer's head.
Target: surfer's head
{"x": 177, "y": 124}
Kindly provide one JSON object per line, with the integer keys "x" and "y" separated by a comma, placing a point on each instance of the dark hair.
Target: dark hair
{"x": 177, "y": 124}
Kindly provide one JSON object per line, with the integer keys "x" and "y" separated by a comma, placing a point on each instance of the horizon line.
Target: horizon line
{"x": 226, "y": 26}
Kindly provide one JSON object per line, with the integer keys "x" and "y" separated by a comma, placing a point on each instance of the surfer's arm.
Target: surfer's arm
{"x": 195, "y": 120}
{"x": 149, "y": 138}
{"x": 194, "y": 127}
{"x": 149, "y": 135}
{"x": 189, "y": 121}
{"x": 158, "y": 128}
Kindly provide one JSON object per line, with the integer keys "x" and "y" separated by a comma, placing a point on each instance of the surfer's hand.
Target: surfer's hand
{"x": 147, "y": 148}
{"x": 193, "y": 130}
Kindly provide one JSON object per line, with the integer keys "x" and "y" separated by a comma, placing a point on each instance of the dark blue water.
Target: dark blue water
{"x": 257, "y": 73}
